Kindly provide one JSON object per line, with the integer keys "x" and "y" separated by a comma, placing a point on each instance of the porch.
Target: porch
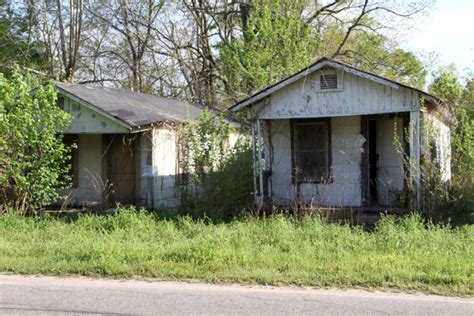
{"x": 337, "y": 162}
{"x": 105, "y": 170}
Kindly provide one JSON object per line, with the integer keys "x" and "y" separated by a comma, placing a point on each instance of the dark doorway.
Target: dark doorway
{"x": 120, "y": 172}
{"x": 373, "y": 157}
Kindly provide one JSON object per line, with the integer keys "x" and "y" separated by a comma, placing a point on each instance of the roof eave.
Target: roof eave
{"x": 95, "y": 108}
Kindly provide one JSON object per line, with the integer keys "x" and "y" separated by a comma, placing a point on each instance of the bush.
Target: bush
{"x": 462, "y": 189}
{"x": 32, "y": 155}
{"x": 220, "y": 172}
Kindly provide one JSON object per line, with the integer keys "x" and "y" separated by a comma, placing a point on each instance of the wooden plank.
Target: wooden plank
{"x": 364, "y": 163}
{"x": 308, "y": 71}
{"x": 260, "y": 156}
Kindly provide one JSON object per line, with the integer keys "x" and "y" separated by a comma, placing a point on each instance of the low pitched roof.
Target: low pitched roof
{"x": 136, "y": 110}
{"x": 321, "y": 63}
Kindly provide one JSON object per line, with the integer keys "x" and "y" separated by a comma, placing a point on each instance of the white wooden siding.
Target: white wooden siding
{"x": 358, "y": 96}
{"x": 164, "y": 165}
{"x": 442, "y": 134}
{"x": 345, "y": 188}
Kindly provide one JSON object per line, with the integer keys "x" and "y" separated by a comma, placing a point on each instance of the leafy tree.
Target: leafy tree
{"x": 375, "y": 53}
{"x": 467, "y": 99}
{"x": 275, "y": 44}
{"x": 17, "y": 45}
{"x": 32, "y": 154}
{"x": 446, "y": 84}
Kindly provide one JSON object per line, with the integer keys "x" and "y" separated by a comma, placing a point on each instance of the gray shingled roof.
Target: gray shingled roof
{"x": 133, "y": 108}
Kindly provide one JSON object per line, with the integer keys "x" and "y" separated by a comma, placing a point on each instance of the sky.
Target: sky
{"x": 447, "y": 30}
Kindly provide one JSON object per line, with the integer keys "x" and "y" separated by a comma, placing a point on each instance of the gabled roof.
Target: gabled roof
{"x": 322, "y": 63}
{"x": 133, "y": 109}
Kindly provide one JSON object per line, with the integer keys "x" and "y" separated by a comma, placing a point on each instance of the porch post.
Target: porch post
{"x": 254, "y": 161}
{"x": 415, "y": 151}
{"x": 259, "y": 163}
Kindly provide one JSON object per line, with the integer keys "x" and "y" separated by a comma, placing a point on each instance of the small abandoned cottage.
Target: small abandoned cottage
{"x": 126, "y": 146}
{"x": 328, "y": 135}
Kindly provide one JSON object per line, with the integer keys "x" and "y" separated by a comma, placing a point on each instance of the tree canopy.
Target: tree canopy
{"x": 207, "y": 51}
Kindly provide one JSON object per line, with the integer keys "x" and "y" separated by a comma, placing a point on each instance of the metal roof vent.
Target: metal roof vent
{"x": 328, "y": 81}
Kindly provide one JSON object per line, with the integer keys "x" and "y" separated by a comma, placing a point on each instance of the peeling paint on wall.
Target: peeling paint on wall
{"x": 359, "y": 96}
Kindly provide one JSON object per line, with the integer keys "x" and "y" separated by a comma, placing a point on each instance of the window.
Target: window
{"x": 60, "y": 102}
{"x": 328, "y": 81}
{"x": 311, "y": 150}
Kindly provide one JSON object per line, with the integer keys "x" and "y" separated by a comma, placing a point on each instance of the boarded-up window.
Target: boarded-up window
{"x": 311, "y": 149}
{"x": 328, "y": 81}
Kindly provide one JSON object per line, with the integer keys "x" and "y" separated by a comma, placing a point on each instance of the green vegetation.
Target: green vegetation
{"x": 220, "y": 170}
{"x": 407, "y": 255}
{"x": 33, "y": 158}
{"x": 447, "y": 85}
{"x": 275, "y": 44}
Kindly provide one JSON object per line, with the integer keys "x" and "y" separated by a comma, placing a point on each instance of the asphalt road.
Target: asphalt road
{"x": 21, "y": 295}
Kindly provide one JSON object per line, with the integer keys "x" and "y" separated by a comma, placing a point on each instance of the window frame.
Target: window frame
{"x": 310, "y": 121}
{"x": 327, "y": 72}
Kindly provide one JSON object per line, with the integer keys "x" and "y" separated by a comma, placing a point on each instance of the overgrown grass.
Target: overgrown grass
{"x": 408, "y": 255}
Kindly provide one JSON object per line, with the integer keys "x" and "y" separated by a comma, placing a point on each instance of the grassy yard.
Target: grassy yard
{"x": 408, "y": 255}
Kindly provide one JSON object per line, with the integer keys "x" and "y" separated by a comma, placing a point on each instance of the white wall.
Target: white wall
{"x": 280, "y": 187}
{"x": 157, "y": 180}
{"x": 146, "y": 170}
{"x": 164, "y": 165}
{"x": 357, "y": 96}
{"x": 345, "y": 188}
{"x": 442, "y": 134}
{"x": 90, "y": 184}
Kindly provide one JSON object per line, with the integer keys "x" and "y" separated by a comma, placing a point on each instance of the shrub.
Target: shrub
{"x": 32, "y": 154}
{"x": 220, "y": 171}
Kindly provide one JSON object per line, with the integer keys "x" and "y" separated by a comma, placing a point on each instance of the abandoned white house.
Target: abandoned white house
{"x": 328, "y": 136}
{"x": 126, "y": 146}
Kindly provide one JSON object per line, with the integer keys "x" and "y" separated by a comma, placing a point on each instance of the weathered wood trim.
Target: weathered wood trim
{"x": 260, "y": 156}
{"x": 389, "y": 112}
{"x": 254, "y": 165}
{"x": 294, "y": 179}
{"x": 137, "y": 153}
{"x": 106, "y": 162}
{"x": 317, "y": 66}
{"x": 364, "y": 162}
